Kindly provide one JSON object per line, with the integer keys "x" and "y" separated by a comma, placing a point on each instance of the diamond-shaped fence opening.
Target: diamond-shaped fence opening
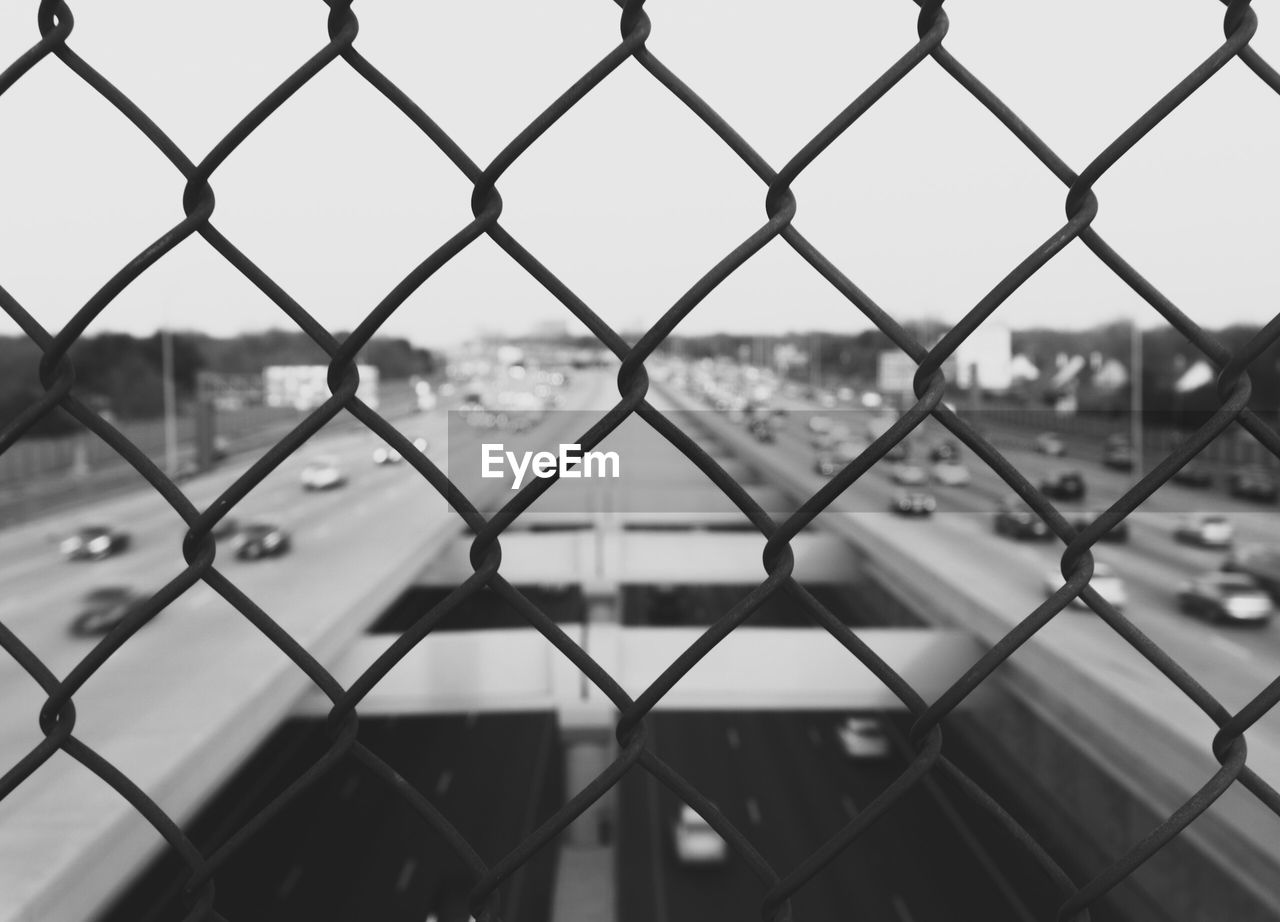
{"x": 199, "y": 219}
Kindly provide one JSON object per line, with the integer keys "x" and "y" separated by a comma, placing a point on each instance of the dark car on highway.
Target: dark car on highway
{"x": 1226, "y": 597}
{"x": 94, "y": 542}
{"x": 944, "y": 451}
{"x": 1017, "y": 520}
{"x": 913, "y": 503}
{"x": 104, "y": 608}
{"x": 259, "y": 540}
{"x": 1118, "y": 453}
{"x": 1258, "y": 561}
{"x": 1254, "y": 483}
{"x": 1194, "y": 474}
{"x": 1063, "y": 485}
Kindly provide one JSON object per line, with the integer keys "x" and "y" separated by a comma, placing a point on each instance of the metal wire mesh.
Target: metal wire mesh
{"x": 57, "y": 375}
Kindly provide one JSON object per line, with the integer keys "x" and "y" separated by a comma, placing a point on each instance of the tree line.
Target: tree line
{"x": 123, "y": 374}
{"x": 852, "y": 358}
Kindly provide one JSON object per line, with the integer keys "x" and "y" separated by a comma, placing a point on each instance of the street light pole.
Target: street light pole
{"x": 1135, "y": 395}
{"x": 815, "y": 360}
{"x": 170, "y": 402}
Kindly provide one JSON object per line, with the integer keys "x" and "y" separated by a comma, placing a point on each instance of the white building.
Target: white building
{"x": 988, "y": 353}
{"x": 305, "y": 387}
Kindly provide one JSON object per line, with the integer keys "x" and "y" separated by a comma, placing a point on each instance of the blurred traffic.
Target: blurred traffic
{"x": 928, "y": 475}
{"x": 125, "y": 549}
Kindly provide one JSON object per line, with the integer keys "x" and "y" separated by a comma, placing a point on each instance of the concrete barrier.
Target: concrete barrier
{"x": 753, "y": 669}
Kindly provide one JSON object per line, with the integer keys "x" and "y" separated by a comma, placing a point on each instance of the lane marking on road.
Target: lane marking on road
{"x": 814, "y": 736}
{"x": 975, "y": 845}
{"x": 655, "y": 846}
{"x": 349, "y": 787}
{"x": 1230, "y": 647}
{"x": 753, "y": 811}
{"x": 406, "y": 875}
{"x": 734, "y": 740}
{"x": 900, "y": 908}
{"x": 290, "y": 881}
{"x": 443, "y": 782}
{"x": 850, "y": 806}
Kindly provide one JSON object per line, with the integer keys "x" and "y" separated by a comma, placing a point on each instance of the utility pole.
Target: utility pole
{"x": 1135, "y": 394}
{"x": 170, "y": 402}
{"x": 815, "y": 360}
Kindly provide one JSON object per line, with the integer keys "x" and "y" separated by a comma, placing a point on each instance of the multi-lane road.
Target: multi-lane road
{"x": 782, "y": 778}
{"x": 169, "y": 708}
{"x": 785, "y": 780}
{"x": 1137, "y": 712}
{"x": 1233, "y": 664}
{"x": 350, "y": 848}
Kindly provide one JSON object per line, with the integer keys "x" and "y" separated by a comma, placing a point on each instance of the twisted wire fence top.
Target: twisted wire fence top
{"x": 55, "y": 27}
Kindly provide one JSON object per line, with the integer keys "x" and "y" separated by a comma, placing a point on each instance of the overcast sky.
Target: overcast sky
{"x": 926, "y": 202}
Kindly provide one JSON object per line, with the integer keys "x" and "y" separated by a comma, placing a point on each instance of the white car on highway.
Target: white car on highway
{"x": 93, "y": 542}
{"x": 695, "y": 841}
{"x": 1051, "y": 444}
{"x": 908, "y": 475}
{"x": 323, "y": 474}
{"x": 1105, "y": 581}
{"x": 1207, "y": 530}
{"x": 862, "y": 738}
{"x": 385, "y": 454}
{"x": 951, "y": 474}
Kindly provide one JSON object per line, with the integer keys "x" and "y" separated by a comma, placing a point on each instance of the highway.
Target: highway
{"x": 782, "y": 777}
{"x": 1234, "y": 664}
{"x": 786, "y": 783}
{"x": 349, "y": 848}
{"x": 166, "y": 706}
{"x": 1004, "y": 579}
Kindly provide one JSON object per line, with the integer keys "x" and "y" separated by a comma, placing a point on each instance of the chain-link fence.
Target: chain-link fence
{"x": 57, "y": 375}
